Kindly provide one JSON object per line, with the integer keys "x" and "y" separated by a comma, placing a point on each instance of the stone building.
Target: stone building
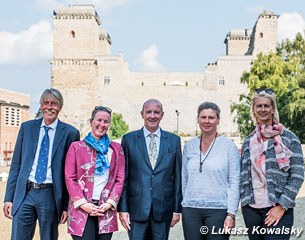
{"x": 14, "y": 109}
{"x": 88, "y": 74}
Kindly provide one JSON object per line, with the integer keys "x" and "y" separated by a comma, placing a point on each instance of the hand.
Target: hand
{"x": 101, "y": 209}
{"x": 229, "y": 223}
{"x": 64, "y": 217}
{"x": 89, "y": 207}
{"x": 175, "y": 219}
{"x": 274, "y": 215}
{"x": 125, "y": 220}
{"x": 7, "y": 209}
{"x": 105, "y": 207}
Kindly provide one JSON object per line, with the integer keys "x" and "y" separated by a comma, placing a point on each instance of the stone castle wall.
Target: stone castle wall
{"x": 88, "y": 75}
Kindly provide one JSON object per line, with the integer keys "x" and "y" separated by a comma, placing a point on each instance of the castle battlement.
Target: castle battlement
{"x": 239, "y": 34}
{"x": 74, "y": 62}
{"x": 77, "y": 12}
{"x": 268, "y": 15}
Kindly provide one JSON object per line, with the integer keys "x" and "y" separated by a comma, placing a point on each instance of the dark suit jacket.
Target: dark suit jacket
{"x": 23, "y": 159}
{"x": 144, "y": 187}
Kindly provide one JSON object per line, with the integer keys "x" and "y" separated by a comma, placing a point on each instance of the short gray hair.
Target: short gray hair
{"x": 209, "y": 105}
{"x": 154, "y": 101}
{"x": 53, "y": 94}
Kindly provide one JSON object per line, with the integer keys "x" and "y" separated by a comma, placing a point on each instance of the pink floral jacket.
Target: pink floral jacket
{"x": 79, "y": 175}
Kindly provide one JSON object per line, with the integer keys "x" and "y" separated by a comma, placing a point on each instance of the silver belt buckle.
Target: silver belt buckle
{"x": 36, "y": 185}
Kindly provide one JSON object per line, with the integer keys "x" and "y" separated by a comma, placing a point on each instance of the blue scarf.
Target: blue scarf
{"x": 101, "y": 148}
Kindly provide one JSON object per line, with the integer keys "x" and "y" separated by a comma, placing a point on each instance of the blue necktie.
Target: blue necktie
{"x": 42, "y": 164}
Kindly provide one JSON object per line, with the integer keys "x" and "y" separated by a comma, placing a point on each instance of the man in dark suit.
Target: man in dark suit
{"x": 35, "y": 188}
{"x": 151, "y": 199}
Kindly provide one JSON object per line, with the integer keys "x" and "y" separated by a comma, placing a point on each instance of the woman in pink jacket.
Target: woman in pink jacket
{"x": 94, "y": 173}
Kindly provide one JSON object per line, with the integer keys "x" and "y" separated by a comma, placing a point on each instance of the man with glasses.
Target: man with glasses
{"x": 35, "y": 188}
{"x": 151, "y": 198}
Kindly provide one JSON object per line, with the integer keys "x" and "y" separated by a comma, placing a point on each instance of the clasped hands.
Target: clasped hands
{"x": 94, "y": 210}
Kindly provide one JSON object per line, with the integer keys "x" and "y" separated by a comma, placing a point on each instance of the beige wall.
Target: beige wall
{"x": 10, "y": 103}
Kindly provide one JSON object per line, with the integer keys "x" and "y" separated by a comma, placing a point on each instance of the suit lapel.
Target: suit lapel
{"x": 59, "y": 134}
{"x": 35, "y": 136}
{"x": 142, "y": 145}
{"x": 163, "y": 147}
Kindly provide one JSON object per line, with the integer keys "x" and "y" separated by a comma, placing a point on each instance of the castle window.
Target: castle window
{"x": 106, "y": 80}
{"x": 221, "y": 81}
{"x": 72, "y": 33}
{"x": 261, "y": 35}
{"x": 12, "y": 116}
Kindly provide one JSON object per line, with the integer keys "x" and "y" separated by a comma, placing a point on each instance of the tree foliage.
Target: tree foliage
{"x": 118, "y": 126}
{"x": 284, "y": 72}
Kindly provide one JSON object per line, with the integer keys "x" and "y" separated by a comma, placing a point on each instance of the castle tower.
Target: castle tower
{"x": 264, "y": 34}
{"x": 77, "y": 33}
{"x": 79, "y": 43}
{"x": 262, "y": 38}
{"x": 237, "y": 42}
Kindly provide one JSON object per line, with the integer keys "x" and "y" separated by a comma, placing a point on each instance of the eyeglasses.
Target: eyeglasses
{"x": 105, "y": 109}
{"x": 266, "y": 90}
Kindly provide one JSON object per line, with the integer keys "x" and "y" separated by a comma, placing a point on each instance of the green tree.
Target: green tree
{"x": 284, "y": 72}
{"x": 118, "y": 126}
{"x": 243, "y": 118}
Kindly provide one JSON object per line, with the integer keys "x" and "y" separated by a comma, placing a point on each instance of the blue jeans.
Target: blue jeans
{"x": 255, "y": 220}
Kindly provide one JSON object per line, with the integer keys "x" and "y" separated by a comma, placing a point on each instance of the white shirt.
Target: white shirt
{"x": 51, "y": 134}
{"x": 100, "y": 181}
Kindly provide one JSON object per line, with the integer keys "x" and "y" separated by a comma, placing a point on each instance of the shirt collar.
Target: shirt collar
{"x": 146, "y": 132}
{"x": 52, "y": 126}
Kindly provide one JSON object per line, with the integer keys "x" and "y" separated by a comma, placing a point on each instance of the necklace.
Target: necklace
{"x": 207, "y": 154}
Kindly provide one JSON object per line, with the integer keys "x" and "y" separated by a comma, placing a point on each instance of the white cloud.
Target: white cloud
{"x": 289, "y": 24}
{"x": 147, "y": 60}
{"x": 28, "y": 46}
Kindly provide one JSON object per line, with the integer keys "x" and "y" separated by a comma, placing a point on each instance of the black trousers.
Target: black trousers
{"x": 91, "y": 231}
{"x": 257, "y": 230}
{"x": 203, "y": 223}
{"x": 149, "y": 229}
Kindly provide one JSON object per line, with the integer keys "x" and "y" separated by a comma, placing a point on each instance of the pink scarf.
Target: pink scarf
{"x": 257, "y": 153}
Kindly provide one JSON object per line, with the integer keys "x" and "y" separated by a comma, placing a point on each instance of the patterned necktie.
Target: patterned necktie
{"x": 42, "y": 164}
{"x": 153, "y": 154}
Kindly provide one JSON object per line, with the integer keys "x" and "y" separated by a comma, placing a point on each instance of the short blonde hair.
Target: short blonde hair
{"x": 271, "y": 96}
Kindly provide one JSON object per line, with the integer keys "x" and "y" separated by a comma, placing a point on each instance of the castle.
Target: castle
{"x": 87, "y": 74}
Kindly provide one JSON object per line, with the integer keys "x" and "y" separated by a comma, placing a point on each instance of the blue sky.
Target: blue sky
{"x": 153, "y": 35}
